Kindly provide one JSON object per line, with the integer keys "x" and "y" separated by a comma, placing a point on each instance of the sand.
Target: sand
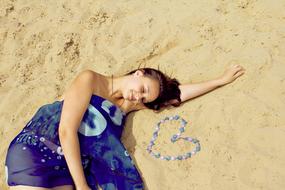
{"x": 241, "y": 126}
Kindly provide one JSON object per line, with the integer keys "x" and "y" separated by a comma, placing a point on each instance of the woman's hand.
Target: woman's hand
{"x": 231, "y": 73}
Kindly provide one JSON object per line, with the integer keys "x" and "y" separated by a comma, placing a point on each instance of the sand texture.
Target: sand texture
{"x": 241, "y": 127}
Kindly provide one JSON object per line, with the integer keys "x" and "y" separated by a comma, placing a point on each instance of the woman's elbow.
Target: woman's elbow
{"x": 65, "y": 133}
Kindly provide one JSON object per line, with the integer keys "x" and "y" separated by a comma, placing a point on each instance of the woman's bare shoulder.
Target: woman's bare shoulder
{"x": 96, "y": 77}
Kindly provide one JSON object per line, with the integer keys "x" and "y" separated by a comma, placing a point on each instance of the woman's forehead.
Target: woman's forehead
{"x": 151, "y": 81}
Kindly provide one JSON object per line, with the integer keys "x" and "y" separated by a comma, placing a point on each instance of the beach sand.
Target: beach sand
{"x": 241, "y": 126}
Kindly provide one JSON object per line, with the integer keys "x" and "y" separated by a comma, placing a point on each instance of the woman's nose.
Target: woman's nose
{"x": 138, "y": 96}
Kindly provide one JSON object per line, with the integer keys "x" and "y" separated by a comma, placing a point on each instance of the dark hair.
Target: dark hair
{"x": 169, "y": 93}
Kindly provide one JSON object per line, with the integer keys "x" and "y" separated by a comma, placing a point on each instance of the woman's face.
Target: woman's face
{"x": 141, "y": 89}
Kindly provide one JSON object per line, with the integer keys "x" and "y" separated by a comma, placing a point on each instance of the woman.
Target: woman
{"x": 75, "y": 142}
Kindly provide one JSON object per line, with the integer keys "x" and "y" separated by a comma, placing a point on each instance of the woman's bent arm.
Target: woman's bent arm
{"x": 189, "y": 91}
{"x": 76, "y": 101}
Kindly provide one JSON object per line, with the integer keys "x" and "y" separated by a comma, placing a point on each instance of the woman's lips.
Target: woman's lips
{"x": 132, "y": 96}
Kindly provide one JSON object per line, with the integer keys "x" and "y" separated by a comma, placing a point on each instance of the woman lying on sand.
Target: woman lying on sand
{"x": 75, "y": 142}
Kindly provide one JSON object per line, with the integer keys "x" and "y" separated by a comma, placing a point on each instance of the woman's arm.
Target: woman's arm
{"x": 189, "y": 91}
{"x": 76, "y": 101}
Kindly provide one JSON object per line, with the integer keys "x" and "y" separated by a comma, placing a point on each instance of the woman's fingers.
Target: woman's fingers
{"x": 238, "y": 74}
{"x": 233, "y": 72}
{"x": 237, "y": 71}
{"x": 238, "y": 68}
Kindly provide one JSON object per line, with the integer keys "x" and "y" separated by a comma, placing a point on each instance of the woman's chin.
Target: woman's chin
{"x": 127, "y": 98}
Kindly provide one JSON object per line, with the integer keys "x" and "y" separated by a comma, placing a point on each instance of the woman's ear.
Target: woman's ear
{"x": 139, "y": 73}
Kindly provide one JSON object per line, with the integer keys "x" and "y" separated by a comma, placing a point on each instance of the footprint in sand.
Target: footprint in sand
{"x": 243, "y": 4}
{"x": 70, "y": 52}
{"x": 95, "y": 20}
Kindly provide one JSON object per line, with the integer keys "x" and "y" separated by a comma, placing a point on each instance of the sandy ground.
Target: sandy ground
{"x": 241, "y": 127}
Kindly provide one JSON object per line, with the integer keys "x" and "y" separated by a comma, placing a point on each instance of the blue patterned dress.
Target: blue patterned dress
{"x": 35, "y": 157}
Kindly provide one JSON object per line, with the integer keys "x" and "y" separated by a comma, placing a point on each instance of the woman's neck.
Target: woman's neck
{"x": 115, "y": 87}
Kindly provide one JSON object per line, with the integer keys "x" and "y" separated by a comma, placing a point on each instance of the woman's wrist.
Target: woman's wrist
{"x": 220, "y": 82}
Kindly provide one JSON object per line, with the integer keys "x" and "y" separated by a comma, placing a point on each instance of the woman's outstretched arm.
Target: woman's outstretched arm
{"x": 189, "y": 91}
